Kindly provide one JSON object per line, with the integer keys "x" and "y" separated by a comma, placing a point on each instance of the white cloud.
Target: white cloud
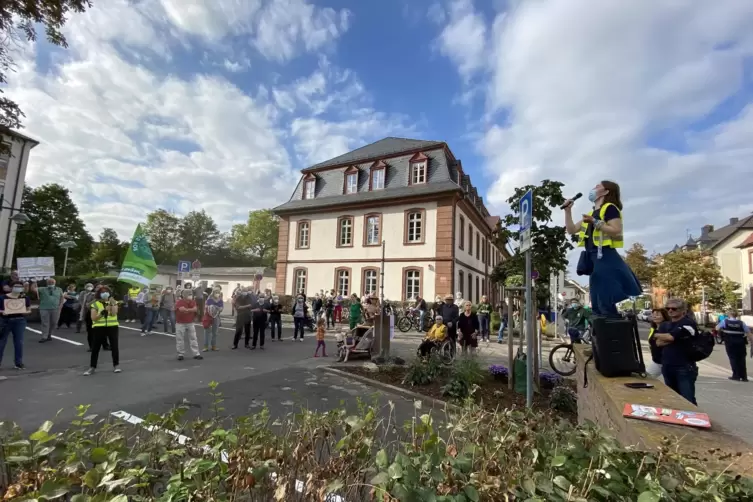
{"x": 463, "y": 39}
{"x": 580, "y": 90}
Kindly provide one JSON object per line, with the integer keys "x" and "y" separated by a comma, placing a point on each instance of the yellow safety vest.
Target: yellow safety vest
{"x": 651, "y": 333}
{"x": 103, "y": 322}
{"x": 607, "y": 241}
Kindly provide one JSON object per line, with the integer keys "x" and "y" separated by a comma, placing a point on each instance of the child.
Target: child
{"x": 320, "y": 330}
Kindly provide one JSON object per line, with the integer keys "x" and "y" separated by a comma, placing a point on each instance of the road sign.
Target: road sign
{"x": 526, "y": 219}
{"x": 184, "y": 267}
{"x": 535, "y": 275}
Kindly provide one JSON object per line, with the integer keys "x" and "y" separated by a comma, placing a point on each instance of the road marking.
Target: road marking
{"x": 182, "y": 440}
{"x": 72, "y": 342}
{"x": 153, "y": 332}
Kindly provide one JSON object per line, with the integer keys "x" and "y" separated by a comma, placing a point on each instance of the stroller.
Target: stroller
{"x": 358, "y": 341}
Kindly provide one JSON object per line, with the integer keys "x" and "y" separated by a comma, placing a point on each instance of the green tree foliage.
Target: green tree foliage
{"x": 19, "y": 21}
{"x": 257, "y": 237}
{"x": 550, "y": 244}
{"x": 54, "y": 219}
{"x": 108, "y": 252}
{"x": 162, "y": 229}
{"x": 684, "y": 274}
{"x": 643, "y": 267}
{"x": 197, "y": 235}
{"x": 723, "y": 295}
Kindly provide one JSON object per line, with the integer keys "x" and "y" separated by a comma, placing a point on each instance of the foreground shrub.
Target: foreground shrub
{"x": 465, "y": 374}
{"x": 471, "y": 455}
{"x": 423, "y": 371}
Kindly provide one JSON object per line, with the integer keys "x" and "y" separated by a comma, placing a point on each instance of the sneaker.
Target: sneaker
{"x": 199, "y": 357}
{"x": 116, "y": 370}
{"x": 205, "y": 349}
{"x": 180, "y": 358}
{"x": 148, "y": 332}
{"x": 20, "y": 366}
{"x": 88, "y": 372}
{"x": 253, "y": 347}
{"x": 143, "y": 333}
{"x": 215, "y": 349}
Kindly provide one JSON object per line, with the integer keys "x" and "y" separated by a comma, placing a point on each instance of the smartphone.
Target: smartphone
{"x": 639, "y": 385}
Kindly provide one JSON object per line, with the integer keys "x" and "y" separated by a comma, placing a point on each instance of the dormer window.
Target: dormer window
{"x": 351, "y": 180}
{"x": 309, "y": 187}
{"x": 378, "y": 175}
{"x": 418, "y": 169}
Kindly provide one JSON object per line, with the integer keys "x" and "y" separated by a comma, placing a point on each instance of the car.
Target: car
{"x": 645, "y": 315}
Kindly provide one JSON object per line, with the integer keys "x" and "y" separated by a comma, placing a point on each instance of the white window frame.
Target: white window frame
{"x": 412, "y": 284}
{"x": 381, "y": 175}
{"x": 309, "y": 189}
{"x": 304, "y": 228}
{"x": 301, "y": 277}
{"x": 343, "y": 282}
{"x": 417, "y": 221}
{"x": 418, "y": 173}
{"x": 351, "y": 187}
{"x": 341, "y": 232}
{"x": 370, "y": 230}
{"x": 368, "y": 277}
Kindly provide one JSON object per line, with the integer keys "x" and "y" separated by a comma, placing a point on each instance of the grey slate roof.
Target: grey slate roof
{"x": 381, "y": 148}
{"x": 716, "y": 237}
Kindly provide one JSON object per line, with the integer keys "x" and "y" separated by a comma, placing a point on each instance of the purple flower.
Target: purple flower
{"x": 550, "y": 378}
{"x": 498, "y": 369}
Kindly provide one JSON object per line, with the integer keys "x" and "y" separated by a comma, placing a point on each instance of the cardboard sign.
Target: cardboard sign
{"x": 38, "y": 268}
{"x": 14, "y": 306}
{"x": 667, "y": 416}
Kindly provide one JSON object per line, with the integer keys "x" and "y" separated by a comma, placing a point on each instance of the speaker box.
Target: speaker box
{"x": 617, "y": 347}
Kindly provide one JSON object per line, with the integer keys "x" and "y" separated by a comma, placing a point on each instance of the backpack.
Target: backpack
{"x": 700, "y": 346}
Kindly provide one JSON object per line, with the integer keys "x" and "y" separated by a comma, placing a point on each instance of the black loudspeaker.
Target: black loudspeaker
{"x": 617, "y": 347}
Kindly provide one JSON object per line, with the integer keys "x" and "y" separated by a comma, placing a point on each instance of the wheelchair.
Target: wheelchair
{"x": 446, "y": 350}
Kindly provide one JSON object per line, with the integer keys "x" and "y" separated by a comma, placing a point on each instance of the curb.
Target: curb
{"x": 392, "y": 388}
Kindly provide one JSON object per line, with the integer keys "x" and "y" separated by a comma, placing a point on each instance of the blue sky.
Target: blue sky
{"x": 216, "y": 104}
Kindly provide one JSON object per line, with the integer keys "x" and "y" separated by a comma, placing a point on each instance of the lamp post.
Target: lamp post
{"x": 17, "y": 217}
{"x": 67, "y": 245}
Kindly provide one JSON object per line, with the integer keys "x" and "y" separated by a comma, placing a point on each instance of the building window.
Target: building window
{"x": 309, "y": 189}
{"x": 303, "y": 235}
{"x": 470, "y": 239}
{"x": 461, "y": 282}
{"x": 4, "y": 160}
{"x": 411, "y": 283}
{"x": 470, "y": 288}
{"x": 351, "y": 180}
{"x": 478, "y": 289}
{"x": 478, "y": 245}
{"x": 372, "y": 230}
{"x": 377, "y": 178}
{"x": 750, "y": 261}
{"x": 462, "y": 233}
{"x": 418, "y": 173}
{"x": 342, "y": 281}
{"x": 414, "y": 226}
{"x": 370, "y": 281}
{"x": 345, "y": 232}
{"x": 300, "y": 275}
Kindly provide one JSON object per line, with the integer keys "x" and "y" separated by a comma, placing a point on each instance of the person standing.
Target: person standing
{"x": 68, "y": 311}
{"x": 484, "y": 312}
{"x": 275, "y": 318}
{"x": 167, "y": 309}
{"x": 355, "y": 312}
{"x": 658, "y": 316}
{"x": 468, "y": 326}
{"x": 242, "y": 305}
{"x": 300, "y": 312}
{"x": 81, "y": 315}
{"x": 14, "y": 324}
{"x": 674, "y": 337}
{"x": 450, "y": 314}
{"x": 104, "y": 316}
{"x": 316, "y": 306}
{"x": 329, "y": 310}
{"x": 90, "y": 296}
{"x": 259, "y": 310}
{"x": 211, "y": 320}
{"x": 141, "y": 300}
{"x": 502, "y": 309}
{"x": 320, "y": 331}
{"x": 50, "y": 304}
{"x": 151, "y": 313}
{"x": 338, "y": 308}
{"x": 185, "y": 314}
{"x": 736, "y": 336}
{"x": 198, "y": 296}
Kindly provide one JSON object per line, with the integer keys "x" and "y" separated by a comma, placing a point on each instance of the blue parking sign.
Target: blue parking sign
{"x": 184, "y": 267}
{"x": 526, "y": 211}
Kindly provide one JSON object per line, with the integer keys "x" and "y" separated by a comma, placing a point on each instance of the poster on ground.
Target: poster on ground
{"x": 667, "y": 415}
{"x": 139, "y": 267}
{"x": 38, "y": 268}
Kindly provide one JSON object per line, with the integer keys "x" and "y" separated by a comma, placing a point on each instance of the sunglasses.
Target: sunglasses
{"x": 673, "y": 309}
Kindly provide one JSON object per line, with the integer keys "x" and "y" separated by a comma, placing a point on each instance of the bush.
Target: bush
{"x": 564, "y": 399}
{"x": 475, "y": 455}
{"x": 466, "y": 373}
{"x": 424, "y": 371}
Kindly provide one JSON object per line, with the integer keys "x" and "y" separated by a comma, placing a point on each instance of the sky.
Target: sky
{"x": 217, "y": 104}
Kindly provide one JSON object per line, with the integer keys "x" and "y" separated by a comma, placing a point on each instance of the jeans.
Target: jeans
{"x": 298, "y": 324}
{"x": 330, "y": 318}
{"x": 14, "y": 326}
{"x": 502, "y": 327}
{"x": 275, "y": 321}
{"x": 735, "y": 347}
{"x": 574, "y": 334}
{"x": 242, "y": 323}
{"x": 168, "y": 317}
{"x": 421, "y": 315}
{"x": 260, "y": 328}
{"x": 681, "y": 379}
{"x": 102, "y": 337}
{"x": 187, "y": 330}
{"x": 210, "y": 333}
{"x": 149, "y": 317}
{"x": 141, "y": 308}
{"x": 483, "y": 321}
{"x": 49, "y": 321}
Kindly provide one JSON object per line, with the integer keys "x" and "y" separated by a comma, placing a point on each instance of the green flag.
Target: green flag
{"x": 139, "y": 267}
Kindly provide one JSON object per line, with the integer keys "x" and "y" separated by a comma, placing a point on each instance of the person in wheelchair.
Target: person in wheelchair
{"x": 434, "y": 338}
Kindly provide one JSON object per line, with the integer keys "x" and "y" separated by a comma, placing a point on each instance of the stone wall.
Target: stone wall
{"x": 602, "y": 403}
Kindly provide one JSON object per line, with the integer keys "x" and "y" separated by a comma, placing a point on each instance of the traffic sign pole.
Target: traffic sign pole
{"x": 526, "y": 219}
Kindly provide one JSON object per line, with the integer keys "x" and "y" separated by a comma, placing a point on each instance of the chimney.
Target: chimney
{"x": 706, "y": 230}
{"x": 732, "y": 221}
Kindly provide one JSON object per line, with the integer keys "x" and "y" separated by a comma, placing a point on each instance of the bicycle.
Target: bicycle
{"x": 563, "y": 353}
{"x": 411, "y": 320}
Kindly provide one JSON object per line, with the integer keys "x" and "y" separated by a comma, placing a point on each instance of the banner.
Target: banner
{"x": 139, "y": 267}
{"x": 37, "y": 268}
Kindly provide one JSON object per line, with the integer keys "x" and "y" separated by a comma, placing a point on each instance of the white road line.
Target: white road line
{"x": 133, "y": 419}
{"x": 153, "y": 332}
{"x": 72, "y": 342}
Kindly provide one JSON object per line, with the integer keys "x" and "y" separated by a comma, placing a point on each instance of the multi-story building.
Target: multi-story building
{"x": 402, "y": 202}
{"x": 13, "y": 161}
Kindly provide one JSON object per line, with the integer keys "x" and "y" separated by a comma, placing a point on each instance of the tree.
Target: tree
{"x": 54, "y": 219}
{"x": 257, "y": 237}
{"x": 198, "y": 235}
{"x": 162, "y": 229}
{"x": 642, "y": 266}
{"x": 723, "y": 296}
{"x": 18, "y": 21}
{"x": 550, "y": 244}
{"x": 684, "y": 274}
{"x": 109, "y": 251}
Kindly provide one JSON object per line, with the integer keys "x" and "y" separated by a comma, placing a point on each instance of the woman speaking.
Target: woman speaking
{"x": 600, "y": 234}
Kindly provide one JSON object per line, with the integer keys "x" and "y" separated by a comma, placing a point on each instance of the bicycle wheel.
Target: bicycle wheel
{"x": 562, "y": 359}
{"x": 404, "y": 324}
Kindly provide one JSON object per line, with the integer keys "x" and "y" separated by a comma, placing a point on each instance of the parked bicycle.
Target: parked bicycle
{"x": 562, "y": 356}
{"x": 411, "y": 320}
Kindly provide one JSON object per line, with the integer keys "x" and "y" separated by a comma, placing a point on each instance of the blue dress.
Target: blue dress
{"x": 612, "y": 281}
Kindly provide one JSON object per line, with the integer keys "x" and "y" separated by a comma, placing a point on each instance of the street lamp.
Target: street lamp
{"x": 17, "y": 217}
{"x": 67, "y": 245}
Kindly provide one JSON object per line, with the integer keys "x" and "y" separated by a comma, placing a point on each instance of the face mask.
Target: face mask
{"x": 89, "y": 288}
{"x": 592, "y": 195}
{"x": 50, "y": 286}
{"x": 168, "y": 291}
{"x": 189, "y": 297}
{"x": 105, "y": 296}
{"x": 216, "y": 295}
{"x": 18, "y": 289}
{"x": 300, "y": 300}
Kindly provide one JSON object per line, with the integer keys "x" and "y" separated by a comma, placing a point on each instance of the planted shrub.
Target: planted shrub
{"x": 465, "y": 373}
{"x": 564, "y": 399}
{"x": 423, "y": 371}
